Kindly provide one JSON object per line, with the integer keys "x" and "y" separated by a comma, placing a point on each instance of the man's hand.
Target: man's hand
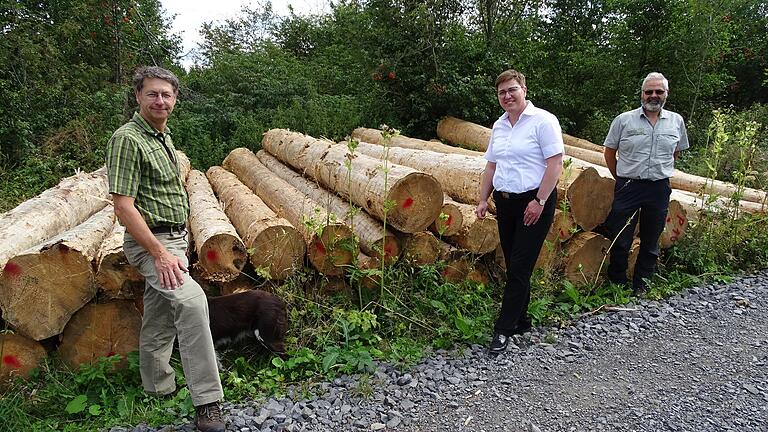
{"x": 170, "y": 270}
{"x": 481, "y": 209}
{"x": 532, "y": 213}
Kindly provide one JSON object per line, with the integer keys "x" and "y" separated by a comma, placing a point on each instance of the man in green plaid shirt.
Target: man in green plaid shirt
{"x": 152, "y": 204}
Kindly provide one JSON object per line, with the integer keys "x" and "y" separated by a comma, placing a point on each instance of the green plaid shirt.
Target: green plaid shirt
{"x": 139, "y": 165}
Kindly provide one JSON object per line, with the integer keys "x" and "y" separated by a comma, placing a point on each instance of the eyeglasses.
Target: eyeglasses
{"x": 510, "y": 91}
{"x": 657, "y": 91}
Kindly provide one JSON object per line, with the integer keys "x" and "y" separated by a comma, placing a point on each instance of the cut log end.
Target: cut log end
{"x": 19, "y": 356}
{"x": 278, "y": 251}
{"x": 586, "y": 256}
{"x": 387, "y": 248}
{"x": 675, "y": 225}
{"x": 421, "y": 248}
{"x": 417, "y": 199}
{"x": 222, "y": 257}
{"x": 449, "y": 222}
{"x": 333, "y": 250}
{"x": 590, "y": 196}
{"x": 482, "y": 236}
{"x": 118, "y": 279}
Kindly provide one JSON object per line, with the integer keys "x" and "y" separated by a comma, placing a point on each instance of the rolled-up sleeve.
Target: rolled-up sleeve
{"x": 123, "y": 166}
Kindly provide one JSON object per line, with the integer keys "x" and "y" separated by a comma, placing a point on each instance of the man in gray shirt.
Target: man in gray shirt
{"x": 647, "y": 140}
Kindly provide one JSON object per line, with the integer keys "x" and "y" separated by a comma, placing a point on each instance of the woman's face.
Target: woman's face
{"x": 512, "y": 96}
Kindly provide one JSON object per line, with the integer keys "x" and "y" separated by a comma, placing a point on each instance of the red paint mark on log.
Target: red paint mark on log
{"x": 562, "y": 233}
{"x": 408, "y": 202}
{"x": 319, "y": 246}
{"x": 449, "y": 220}
{"x": 388, "y": 250}
{"x": 669, "y": 219}
{"x": 680, "y": 220}
{"x": 12, "y": 361}
{"x": 211, "y": 255}
{"x": 111, "y": 353}
{"x": 12, "y": 269}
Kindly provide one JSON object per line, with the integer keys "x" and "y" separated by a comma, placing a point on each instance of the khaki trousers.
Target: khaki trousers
{"x": 168, "y": 314}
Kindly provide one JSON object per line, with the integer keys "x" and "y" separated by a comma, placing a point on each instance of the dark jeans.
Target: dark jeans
{"x": 651, "y": 198}
{"x": 521, "y": 245}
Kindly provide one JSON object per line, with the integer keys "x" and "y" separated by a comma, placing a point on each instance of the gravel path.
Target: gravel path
{"x": 694, "y": 362}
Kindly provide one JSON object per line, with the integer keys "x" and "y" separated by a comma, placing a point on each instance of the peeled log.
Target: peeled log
{"x": 563, "y": 227}
{"x": 450, "y": 220}
{"x": 464, "y": 133}
{"x": 20, "y": 356}
{"x": 459, "y": 175}
{"x": 674, "y": 226}
{"x": 184, "y": 165}
{"x": 116, "y": 278}
{"x": 420, "y": 248}
{"x": 695, "y": 203}
{"x": 585, "y": 255}
{"x": 101, "y": 330}
{"x": 416, "y": 197}
{"x": 277, "y": 247}
{"x": 476, "y": 235}
{"x": 374, "y": 239}
{"x": 330, "y": 244}
{"x": 572, "y": 141}
{"x": 590, "y": 195}
{"x": 52, "y": 212}
{"x": 220, "y": 252}
{"x": 42, "y": 287}
{"x": 374, "y": 136}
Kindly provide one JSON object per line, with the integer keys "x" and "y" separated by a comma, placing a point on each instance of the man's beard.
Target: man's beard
{"x": 653, "y": 106}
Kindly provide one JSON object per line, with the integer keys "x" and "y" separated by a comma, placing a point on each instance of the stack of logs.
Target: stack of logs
{"x": 299, "y": 200}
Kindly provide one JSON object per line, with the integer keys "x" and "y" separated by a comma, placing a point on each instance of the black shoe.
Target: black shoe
{"x": 208, "y": 418}
{"x": 639, "y": 291}
{"x": 498, "y": 344}
{"x": 523, "y": 326}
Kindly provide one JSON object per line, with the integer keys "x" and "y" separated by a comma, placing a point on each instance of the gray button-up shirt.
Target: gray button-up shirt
{"x": 646, "y": 152}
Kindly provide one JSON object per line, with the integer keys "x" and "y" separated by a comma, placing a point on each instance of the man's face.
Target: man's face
{"x": 653, "y": 96}
{"x": 156, "y": 101}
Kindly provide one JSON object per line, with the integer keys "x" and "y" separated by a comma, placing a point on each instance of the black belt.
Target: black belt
{"x": 168, "y": 229}
{"x": 515, "y": 195}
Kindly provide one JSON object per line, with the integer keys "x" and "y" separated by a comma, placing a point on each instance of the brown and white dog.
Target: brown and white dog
{"x": 255, "y": 313}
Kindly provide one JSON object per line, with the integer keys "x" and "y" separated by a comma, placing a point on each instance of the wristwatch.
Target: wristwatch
{"x": 541, "y": 202}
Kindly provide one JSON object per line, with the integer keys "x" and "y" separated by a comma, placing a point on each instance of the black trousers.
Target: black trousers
{"x": 521, "y": 245}
{"x": 651, "y": 198}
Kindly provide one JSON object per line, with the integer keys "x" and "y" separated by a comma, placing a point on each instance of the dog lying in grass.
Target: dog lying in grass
{"x": 255, "y": 313}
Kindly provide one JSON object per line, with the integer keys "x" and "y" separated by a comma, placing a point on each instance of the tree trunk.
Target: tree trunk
{"x": 374, "y": 239}
{"x": 674, "y": 226}
{"x": 101, "y": 330}
{"x": 459, "y": 175}
{"x": 572, "y": 141}
{"x": 276, "y": 248}
{"x": 589, "y": 195}
{"x": 464, "y": 133}
{"x": 450, "y": 220}
{"x": 116, "y": 278}
{"x": 586, "y": 254}
{"x": 43, "y": 286}
{"x": 476, "y": 235}
{"x": 54, "y": 211}
{"x": 220, "y": 252}
{"x": 330, "y": 244}
{"x": 409, "y": 200}
{"x": 420, "y": 248}
{"x": 20, "y": 356}
{"x": 373, "y": 136}
{"x": 184, "y": 165}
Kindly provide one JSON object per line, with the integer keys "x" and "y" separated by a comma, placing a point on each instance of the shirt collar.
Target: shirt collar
{"x": 147, "y": 127}
{"x": 662, "y": 113}
{"x": 527, "y": 111}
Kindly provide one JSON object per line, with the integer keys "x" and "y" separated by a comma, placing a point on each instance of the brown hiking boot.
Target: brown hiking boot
{"x": 208, "y": 418}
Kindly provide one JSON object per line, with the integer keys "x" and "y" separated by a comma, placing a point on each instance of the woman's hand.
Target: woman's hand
{"x": 481, "y": 209}
{"x": 532, "y": 213}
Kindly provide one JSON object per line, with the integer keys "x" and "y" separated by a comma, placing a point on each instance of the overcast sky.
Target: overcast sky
{"x": 191, "y": 14}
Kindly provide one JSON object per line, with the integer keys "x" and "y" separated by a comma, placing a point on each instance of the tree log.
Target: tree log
{"x": 585, "y": 255}
{"x": 331, "y": 244}
{"x": 550, "y": 254}
{"x": 420, "y": 248}
{"x": 184, "y": 165}
{"x": 220, "y": 252}
{"x": 476, "y": 235}
{"x": 373, "y": 136}
{"x": 450, "y": 220}
{"x": 19, "y": 357}
{"x": 116, "y": 278}
{"x": 634, "y": 251}
{"x": 374, "y": 239}
{"x": 464, "y": 133}
{"x": 563, "y": 226}
{"x": 409, "y": 200}
{"x": 54, "y": 211}
{"x": 42, "y": 287}
{"x": 101, "y": 330}
{"x": 572, "y": 141}
{"x": 589, "y": 195}
{"x": 366, "y": 281}
{"x": 277, "y": 247}
{"x": 674, "y": 226}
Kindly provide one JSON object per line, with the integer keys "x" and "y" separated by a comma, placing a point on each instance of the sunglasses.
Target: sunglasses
{"x": 657, "y": 91}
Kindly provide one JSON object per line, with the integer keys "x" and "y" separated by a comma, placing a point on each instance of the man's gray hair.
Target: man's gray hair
{"x": 653, "y": 76}
{"x": 154, "y": 72}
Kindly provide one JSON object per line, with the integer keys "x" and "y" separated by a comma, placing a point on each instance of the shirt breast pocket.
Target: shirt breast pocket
{"x": 666, "y": 141}
{"x": 636, "y": 143}
{"x": 157, "y": 163}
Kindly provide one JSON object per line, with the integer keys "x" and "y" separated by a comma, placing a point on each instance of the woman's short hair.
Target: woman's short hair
{"x": 510, "y": 74}
{"x": 154, "y": 72}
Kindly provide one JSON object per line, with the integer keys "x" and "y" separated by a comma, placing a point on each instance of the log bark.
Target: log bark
{"x": 331, "y": 244}
{"x": 459, "y": 175}
{"x": 674, "y": 226}
{"x": 420, "y": 248}
{"x": 373, "y": 136}
{"x": 101, "y": 330}
{"x": 374, "y": 239}
{"x": 43, "y": 286}
{"x": 220, "y": 251}
{"x": 409, "y": 200}
{"x": 464, "y": 133}
{"x": 20, "y": 356}
{"x": 589, "y": 195}
{"x": 54, "y": 211}
{"x": 184, "y": 165}
{"x": 450, "y": 220}
{"x": 115, "y": 277}
{"x": 476, "y": 235}
{"x": 585, "y": 255}
{"x": 276, "y": 248}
